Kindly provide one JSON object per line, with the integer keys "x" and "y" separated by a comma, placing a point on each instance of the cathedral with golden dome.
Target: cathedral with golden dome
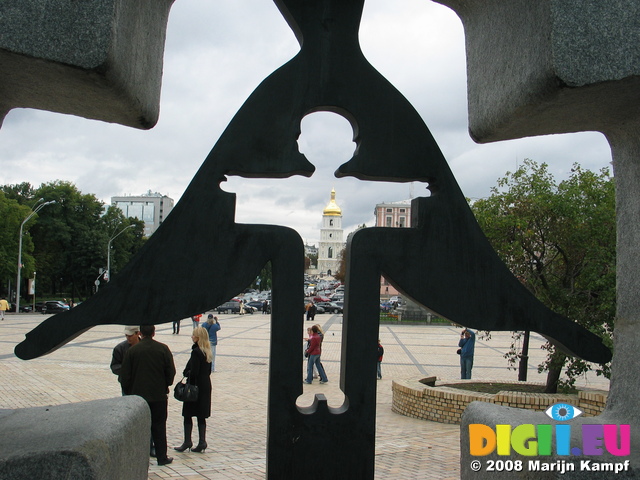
{"x": 331, "y": 244}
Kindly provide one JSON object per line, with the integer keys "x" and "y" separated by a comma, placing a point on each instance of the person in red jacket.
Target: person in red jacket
{"x": 314, "y": 351}
{"x": 380, "y": 355}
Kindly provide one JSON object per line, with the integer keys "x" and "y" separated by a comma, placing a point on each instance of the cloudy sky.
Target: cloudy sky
{"x": 216, "y": 53}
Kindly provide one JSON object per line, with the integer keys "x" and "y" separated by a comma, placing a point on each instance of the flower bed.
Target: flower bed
{"x": 446, "y": 404}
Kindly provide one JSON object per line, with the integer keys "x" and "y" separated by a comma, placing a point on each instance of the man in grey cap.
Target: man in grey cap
{"x": 133, "y": 337}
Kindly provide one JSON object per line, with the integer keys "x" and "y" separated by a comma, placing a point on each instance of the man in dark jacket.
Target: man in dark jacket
{"x": 148, "y": 371}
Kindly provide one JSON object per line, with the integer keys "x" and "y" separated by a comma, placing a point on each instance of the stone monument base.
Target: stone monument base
{"x": 102, "y": 439}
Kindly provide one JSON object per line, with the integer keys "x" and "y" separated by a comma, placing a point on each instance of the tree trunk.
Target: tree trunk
{"x": 555, "y": 370}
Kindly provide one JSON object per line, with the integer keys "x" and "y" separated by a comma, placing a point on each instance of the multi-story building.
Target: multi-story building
{"x": 151, "y": 208}
{"x": 310, "y": 250}
{"x": 331, "y": 244}
{"x": 394, "y": 215}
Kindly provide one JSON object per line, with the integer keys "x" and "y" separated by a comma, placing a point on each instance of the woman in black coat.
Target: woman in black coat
{"x": 198, "y": 370}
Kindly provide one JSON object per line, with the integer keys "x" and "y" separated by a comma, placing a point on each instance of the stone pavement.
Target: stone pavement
{"x": 405, "y": 448}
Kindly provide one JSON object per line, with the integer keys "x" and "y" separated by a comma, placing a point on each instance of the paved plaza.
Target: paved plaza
{"x": 405, "y": 448}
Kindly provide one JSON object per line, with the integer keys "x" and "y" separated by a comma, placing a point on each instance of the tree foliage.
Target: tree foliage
{"x": 68, "y": 238}
{"x": 264, "y": 281}
{"x": 559, "y": 239}
{"x": 12, "y": 215}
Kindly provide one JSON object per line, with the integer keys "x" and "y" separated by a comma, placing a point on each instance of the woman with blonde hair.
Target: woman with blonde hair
{"x": 198, "y": 370}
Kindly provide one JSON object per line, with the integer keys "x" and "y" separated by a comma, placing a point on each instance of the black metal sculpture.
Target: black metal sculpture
{"x": 444, "y": 262}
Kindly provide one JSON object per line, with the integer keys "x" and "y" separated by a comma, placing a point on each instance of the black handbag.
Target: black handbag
{"x": 185, "y": 392}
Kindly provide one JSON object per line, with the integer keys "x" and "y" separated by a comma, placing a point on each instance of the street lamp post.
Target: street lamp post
{"x": 36, "y": 210}
{"x": 109, "y": 251}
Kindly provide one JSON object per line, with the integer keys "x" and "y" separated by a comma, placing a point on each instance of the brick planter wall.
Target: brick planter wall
{"x": 445, "y": 404}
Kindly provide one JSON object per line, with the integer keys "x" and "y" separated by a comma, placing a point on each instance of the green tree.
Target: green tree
{"x": 559, "y": 239}
{"x": 23, "y": 193}
{"x": 70, "y": 240}
{"x": 341, "y": 273}
{"x": 12, "y": 215}
{"x": 66, "y": 244}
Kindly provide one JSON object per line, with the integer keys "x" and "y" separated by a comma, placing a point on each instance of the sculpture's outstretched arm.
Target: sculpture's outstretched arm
{"x": 195, "y": 261}
{"x": 446, "y": 264}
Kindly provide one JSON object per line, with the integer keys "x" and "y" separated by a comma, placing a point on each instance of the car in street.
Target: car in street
{"x": 233, "y": 307}
{"x": 23, "y": 308}
{"x": 330, "y": 307}
{"x": 51, "y": 306}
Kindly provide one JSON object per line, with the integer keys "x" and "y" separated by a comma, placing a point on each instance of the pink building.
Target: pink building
{"x": 394, "y": 215}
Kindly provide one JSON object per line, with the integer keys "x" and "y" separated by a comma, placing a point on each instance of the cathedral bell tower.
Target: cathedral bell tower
{"x": 331, "y": 243}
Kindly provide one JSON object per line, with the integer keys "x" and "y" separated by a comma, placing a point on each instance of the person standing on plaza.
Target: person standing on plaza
{"x": 176, "y": 327}
{"x": 307, "y": 309}
{"x": 148, "y": 371}
{"x": 467, "y": 346}
{"x": 196, "y": 320}
{"x": 212, "y": 326}
{"x": 306, "y": 349}
{"x": 4, "y": 306}
{"x": 198, "y": 370}
{"x": 380, "y": 355}
{"x": 132, "y": 334}
{"x": 314, "y": 351}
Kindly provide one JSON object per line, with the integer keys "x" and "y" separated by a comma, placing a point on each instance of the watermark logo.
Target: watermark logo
{"x": 563, "y": 411}
{"x": 531, "y": 440}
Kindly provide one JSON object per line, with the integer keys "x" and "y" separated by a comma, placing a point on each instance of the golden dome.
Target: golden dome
{"x": 332, "y": 208}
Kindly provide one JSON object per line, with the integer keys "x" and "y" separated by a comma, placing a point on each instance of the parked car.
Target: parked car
{"x": 258, "y": 306}
{"x": 233, "y": 307}
{"x": 23, "y": 308}
{"x": 52, "y": 306}
{"x": 330, "y": 307}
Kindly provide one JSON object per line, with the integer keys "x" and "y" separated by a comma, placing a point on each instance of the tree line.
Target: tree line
{"x": 65, "y": 243}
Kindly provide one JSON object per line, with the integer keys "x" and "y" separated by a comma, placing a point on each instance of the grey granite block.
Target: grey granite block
{"x": 549, "y": 66}
{"x": 99, "y": 59}
{"x": 98, "y": 440}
